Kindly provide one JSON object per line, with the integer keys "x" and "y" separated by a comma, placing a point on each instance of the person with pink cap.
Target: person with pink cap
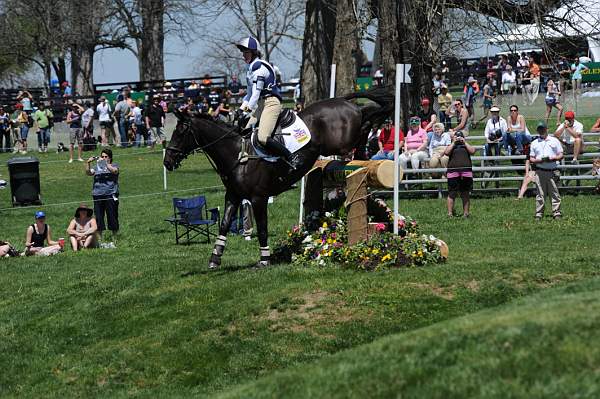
{"x": 570, "y": 134}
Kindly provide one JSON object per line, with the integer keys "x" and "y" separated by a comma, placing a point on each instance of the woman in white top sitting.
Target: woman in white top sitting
{"x": 437, "y": 145}
{"x": 518, "y": 127}
{"x": 83, "y": 229}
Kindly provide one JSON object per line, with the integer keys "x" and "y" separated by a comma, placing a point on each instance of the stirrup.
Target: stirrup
{"x": 243, "y": 157}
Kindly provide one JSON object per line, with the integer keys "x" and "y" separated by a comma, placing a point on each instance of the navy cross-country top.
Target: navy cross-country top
{"x": 260, "y": 79}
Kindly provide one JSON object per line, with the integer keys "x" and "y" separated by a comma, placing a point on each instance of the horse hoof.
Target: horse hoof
{"x": 213, "y": 266}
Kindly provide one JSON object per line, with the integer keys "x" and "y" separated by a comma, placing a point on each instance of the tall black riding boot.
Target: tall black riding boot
{"x": 279, "y": 149}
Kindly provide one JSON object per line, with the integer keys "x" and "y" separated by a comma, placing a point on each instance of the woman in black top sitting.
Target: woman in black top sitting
{"x": 39, "y": 233}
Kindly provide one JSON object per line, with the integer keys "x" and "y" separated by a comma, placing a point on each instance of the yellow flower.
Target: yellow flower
{"x": 386, "y": 257}
{"x": 324, "y": 225}
{"x": 375, "y": 251}
{"x": 329, "y": 241}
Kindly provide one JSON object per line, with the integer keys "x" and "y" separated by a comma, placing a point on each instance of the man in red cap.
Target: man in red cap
{"x": 427, "y": 115}
{"x": 570, "y": 134}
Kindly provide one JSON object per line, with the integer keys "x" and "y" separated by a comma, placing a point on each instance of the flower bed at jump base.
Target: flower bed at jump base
{"x": 328, "y": 245}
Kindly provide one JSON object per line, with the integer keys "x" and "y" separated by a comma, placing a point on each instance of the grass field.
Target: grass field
{"x": 513, "y": 313}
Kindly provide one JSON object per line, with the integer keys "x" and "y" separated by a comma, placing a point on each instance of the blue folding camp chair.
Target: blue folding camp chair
{"x": 191, "y": 218}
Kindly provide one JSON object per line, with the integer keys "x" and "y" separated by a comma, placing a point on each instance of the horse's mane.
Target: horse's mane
{"x": 208, "y": 122}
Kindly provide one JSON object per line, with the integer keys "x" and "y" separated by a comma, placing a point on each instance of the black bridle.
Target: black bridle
{"x": 187, "y": 129}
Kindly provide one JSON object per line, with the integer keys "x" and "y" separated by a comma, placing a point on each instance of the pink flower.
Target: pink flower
{"x": 379, "y": 227}
{"x": 401, "y": 223}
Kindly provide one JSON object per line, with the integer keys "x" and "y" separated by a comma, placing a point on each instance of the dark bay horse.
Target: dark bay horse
{"x": 337, "y": 127}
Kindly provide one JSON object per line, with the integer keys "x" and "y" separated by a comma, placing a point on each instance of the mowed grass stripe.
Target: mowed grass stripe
{"x": 147, "y": 318}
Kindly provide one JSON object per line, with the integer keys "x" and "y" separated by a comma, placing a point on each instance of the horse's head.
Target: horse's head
{"x": 182, "y": 143}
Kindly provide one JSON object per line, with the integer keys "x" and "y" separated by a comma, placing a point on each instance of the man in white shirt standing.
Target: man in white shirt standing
{"x": 545, "y": 152}
{"x": 570, "y": 134}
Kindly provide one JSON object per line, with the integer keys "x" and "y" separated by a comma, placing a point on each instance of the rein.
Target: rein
{"x": 200, "y": 148}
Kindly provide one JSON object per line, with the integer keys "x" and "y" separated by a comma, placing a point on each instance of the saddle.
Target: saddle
{"x": 290, "y": 131}
{"x": 285, "y": 119}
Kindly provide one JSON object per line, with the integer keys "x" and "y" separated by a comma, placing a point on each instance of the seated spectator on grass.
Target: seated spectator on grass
{"x": 460, "y": 173}
{"x": 38, "y": 234}
{"x": 570, "y": 134}
{"x": 415, "y": 144}
{"x": 386, "y": 141}
{"x": 437, "y": 145}
{"x": 83, "y": 229}
{"x": 427, "y": 115}
{"x": 494, "y": 132}
{"x": 596, "y": 127}
{"x": 7, "y": 250}
{"x": 518, "y": 127}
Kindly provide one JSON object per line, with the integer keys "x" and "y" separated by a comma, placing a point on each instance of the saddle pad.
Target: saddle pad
{"x": 294, "y": 137}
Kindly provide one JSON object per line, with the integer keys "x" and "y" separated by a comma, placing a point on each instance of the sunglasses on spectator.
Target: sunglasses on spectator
{"x": 513, "y": 110}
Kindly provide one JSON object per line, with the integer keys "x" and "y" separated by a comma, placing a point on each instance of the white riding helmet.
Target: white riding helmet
{"x": 249, "y": 43}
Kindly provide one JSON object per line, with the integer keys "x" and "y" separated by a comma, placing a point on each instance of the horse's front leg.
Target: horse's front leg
{"x": 232, "y": 203}
{"x": 259, "y": 206}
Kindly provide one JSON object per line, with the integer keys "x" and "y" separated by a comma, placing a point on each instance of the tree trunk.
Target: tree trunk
{"x": 60, "y": 69}
{"x": 347, "y": 54}
{"x": 82, "y": 70}
{"x": 151, "y": 49}
{"x": 405, "y": 36}
{"x": 317, "y": 49}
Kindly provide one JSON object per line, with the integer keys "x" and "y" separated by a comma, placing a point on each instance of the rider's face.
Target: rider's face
{"x": 247, "y": 56}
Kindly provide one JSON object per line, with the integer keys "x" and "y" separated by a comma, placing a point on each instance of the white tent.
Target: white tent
{"x": 564, "y": 22}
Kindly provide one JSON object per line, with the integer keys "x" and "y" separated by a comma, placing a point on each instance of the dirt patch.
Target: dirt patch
{"x": 307, "y": 312}
{"x": 442, "y": 292}
{"x": 473, "y": 286}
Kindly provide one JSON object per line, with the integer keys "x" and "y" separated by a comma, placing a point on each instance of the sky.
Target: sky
{"x": 115, "y": 65}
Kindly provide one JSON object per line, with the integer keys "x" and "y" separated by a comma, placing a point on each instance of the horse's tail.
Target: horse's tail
{"x": 374, "y": 115}
{"x": 381, "y": 95}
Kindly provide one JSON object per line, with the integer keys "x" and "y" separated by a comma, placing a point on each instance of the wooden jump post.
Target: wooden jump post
{"x": 357, "y": 177}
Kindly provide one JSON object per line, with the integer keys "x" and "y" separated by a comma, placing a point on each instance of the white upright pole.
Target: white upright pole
{"x": 332, "y": 82}
{"x": 399, "y": 80}
{"x": 164, "y": 171}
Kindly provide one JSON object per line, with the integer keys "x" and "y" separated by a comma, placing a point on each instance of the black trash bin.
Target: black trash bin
{"x": 24, "y": 181}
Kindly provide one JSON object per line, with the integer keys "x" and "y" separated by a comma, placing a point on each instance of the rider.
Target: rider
{"x": 263, "y": 99}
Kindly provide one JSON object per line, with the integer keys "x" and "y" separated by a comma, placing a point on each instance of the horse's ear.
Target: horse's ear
{"x": 178, "y": 114}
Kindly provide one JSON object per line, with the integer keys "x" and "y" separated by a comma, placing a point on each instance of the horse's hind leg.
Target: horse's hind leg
{"x": 259, "y": 206}
{"x": 231, "y": 206}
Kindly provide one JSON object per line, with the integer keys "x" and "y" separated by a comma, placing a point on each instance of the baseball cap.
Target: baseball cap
{"x": 569, "y": 115}
{"x": 541, "y": 125}
{"x": 425, "y": 101}
{"x": 40, "y": 215}
{"x": 414, "y": 120}
{"x": 471, "y": 80}
{"x": 495, "y": 109}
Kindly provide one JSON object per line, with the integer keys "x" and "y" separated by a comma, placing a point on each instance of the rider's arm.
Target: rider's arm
{"x": 259, "y": 75}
